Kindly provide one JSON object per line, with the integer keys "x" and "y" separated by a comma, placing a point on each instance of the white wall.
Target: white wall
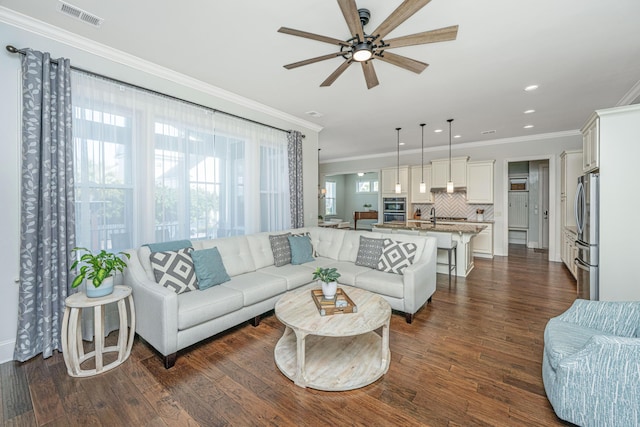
{"x": 537, "y": 147}
{"x": 111, "y": 63}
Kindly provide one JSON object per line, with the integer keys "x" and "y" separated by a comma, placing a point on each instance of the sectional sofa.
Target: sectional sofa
{"x": 170, "y": 321}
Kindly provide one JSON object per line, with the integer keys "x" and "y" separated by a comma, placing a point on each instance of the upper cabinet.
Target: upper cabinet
{"x": 591, "y": 145}
{"x": 390, "y": 178}
{"x": 440, "y": 172}
{"x": 480, "y": 182}
{"x": 416, "y": 178}
{"x": 571, "y": 165}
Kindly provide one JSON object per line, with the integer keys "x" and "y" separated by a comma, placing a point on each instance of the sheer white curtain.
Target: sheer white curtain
{"x": 152, "y": 168}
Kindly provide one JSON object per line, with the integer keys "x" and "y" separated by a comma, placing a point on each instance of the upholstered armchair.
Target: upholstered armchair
{"x": 591, "y": 363}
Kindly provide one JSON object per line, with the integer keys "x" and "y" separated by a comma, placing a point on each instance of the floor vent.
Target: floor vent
{"x": 82, "y": 15}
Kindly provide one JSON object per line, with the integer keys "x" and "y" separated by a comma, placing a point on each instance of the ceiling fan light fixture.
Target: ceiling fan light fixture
{"x": 362, "y": 51}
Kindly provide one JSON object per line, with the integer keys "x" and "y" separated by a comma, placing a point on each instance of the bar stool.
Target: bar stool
{"x": 446, "y": 242}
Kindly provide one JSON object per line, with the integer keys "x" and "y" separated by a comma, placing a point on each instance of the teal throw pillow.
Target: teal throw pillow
{"x": 209, "y": 268}
{"x": 301, "y": 249}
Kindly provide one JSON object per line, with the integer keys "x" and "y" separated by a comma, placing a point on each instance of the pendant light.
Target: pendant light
{"x": 322, "y": 192}
{"x": 423, "y": 186}
{"x": 450, "y": 182}
{"x": 398, "y": 186}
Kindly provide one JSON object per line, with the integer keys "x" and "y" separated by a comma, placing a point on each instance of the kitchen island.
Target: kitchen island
{"x": 461, "y": 233}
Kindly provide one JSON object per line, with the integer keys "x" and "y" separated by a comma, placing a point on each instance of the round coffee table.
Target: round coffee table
{"x": 336, "y": 352}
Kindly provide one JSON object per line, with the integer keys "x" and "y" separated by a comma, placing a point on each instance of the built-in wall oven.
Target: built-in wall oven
{"x": 394, "y": 209}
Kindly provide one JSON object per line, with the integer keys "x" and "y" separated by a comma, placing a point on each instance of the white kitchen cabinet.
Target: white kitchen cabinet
{"x": 569, "y": 251}
{"x": 570, "y": 170}
{"x": 416, "y": 179}
{"x": 591, "y": 144}
{"x": 483, "y": 242}
{"x": 390, "y": 178}
{"x": 480, "y": 182}
{"x": 440, "y": 172}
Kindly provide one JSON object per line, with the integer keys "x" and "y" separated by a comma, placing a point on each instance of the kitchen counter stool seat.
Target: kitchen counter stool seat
{"x": 446, "y": 242}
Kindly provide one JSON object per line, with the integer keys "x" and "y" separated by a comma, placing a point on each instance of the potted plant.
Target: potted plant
{"x": 367, "y": 206}
{"x": 98, "y": 269}
{"x": 328, "y": 277}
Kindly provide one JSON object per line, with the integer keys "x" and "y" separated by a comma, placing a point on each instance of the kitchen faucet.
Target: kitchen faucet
{"x": 432, "y": 212}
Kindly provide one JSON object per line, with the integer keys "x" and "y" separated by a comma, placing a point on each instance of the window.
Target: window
{"x": 366, "y": 186}
{"x": 330, "y": 199}
{"x": 150, "y": 168}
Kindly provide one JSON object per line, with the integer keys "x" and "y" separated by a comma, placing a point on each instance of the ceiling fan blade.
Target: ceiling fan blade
{"x": 332, "y": 78}
{"x": 350, "y": 13}
{"x": 313, "y": 60}
{"x": 403, "y": 62}
{"x": 312, "y": 36}
{"x": 433, "y": 36}
{"x": 403, "y": 12}
{"x": 369, "y": 74}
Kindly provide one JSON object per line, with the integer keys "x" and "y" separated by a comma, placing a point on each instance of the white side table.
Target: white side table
{"x": 72, "y": 347}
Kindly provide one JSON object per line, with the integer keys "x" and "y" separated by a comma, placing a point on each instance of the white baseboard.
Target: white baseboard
{"x": 6, "y": 350}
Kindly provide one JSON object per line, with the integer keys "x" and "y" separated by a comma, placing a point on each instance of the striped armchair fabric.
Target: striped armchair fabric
{"x": 591, "y": 363}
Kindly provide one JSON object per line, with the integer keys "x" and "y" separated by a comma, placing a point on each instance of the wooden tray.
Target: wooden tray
{"x": 328, "y": 307}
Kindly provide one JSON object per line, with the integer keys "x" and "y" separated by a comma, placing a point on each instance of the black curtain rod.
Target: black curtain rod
{"x": 13, "y": 49}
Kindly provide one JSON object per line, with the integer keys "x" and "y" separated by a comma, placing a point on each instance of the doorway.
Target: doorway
{"x": 529, "y": 190}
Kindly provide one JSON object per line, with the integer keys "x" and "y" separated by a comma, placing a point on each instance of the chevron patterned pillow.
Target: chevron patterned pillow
{"x": 174, "y": 270}
{"x": 396, "y": 256}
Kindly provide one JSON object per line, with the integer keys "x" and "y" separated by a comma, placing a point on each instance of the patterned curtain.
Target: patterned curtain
{"x": 47, "y": 206}
{"x": 296, "y": 194}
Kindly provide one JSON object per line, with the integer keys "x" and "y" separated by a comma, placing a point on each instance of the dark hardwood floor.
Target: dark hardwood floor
{"x": 471, "y": 357}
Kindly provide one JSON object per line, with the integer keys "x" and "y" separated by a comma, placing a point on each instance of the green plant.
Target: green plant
{"x": 97, "y": 267}
{"x": 367, "y": 205}
{"x": 326, "y": 275}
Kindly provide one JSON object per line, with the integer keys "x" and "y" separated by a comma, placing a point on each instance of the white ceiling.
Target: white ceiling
{"x": 584, "y": 55}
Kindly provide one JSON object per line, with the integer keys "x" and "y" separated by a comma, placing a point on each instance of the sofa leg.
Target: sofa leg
{"x": 429, "y": 300}
{"x": 169, "y": 360}
{"x": 255, "y": 321}
{"x": 408, "y": 317}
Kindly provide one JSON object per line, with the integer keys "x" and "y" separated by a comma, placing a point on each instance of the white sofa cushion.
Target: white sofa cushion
{"x": 260, "y": 248}
{"x": 144, "y": 254}
{"x": 256, "y": 286}
{"x": 201, "y": 306}
{"x": 348, "y": 271}
{"x": 295, "y": 275}
{"x": 381, "y": 283}
{"x": 235, "y": 253}
{"x": 327, "y": 241}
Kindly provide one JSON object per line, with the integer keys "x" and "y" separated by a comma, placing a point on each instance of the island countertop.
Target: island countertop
{"x": 444, "y": 228}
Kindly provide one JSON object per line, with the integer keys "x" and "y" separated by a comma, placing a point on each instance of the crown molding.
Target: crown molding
{"x": 476, "y": 144}
{"x": 631, "y": 95}
{"x": 76, "y": 41}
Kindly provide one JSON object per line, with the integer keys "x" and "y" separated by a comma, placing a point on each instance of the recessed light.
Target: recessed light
{"x": 528, "y": 126}
{"x": 531, "y": 88}
{"x": 313, "y": 113}
{"x": 402, "y": 143}
{"x": 438, "y": 130}
{"x": 360, "y": 173}
{"x": 457, "y": 136}
{"x": 530, "y": 111}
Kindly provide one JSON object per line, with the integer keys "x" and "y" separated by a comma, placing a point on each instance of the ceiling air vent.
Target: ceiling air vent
{"x": 82, "y": 15}
{"x": 487, "y": 132}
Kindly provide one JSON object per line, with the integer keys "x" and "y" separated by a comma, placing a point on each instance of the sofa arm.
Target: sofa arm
{"x": 156, "y": 308}
{"x": 420, "y": 280}
{"x": 602, "y": 379}
{"x": 617, "y": 318}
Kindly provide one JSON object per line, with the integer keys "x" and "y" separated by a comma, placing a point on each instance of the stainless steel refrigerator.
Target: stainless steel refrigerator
{"x": 587, "y": 206}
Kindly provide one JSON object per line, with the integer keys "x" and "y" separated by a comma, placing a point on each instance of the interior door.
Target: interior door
{"x": 544, "y": 204}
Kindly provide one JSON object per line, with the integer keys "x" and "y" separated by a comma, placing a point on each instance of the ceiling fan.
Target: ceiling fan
{"x": 364, "y": 48}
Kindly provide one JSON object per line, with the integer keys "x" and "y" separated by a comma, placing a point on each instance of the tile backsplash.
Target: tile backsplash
{"x": 453, "y": 205}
